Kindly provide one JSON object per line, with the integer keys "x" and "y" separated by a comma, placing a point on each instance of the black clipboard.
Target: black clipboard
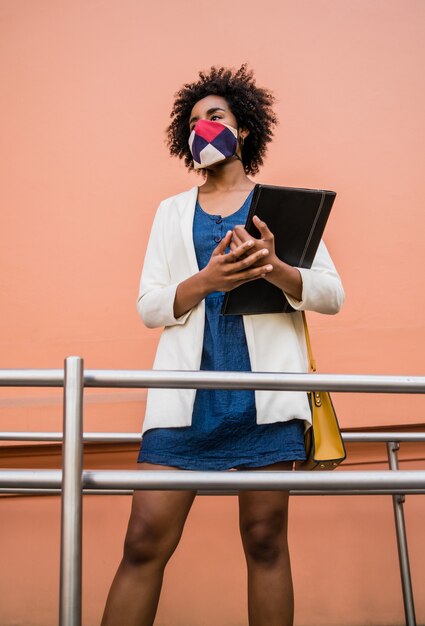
{"x": 297, "y": 218}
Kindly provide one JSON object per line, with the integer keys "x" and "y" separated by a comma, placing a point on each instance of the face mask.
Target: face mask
{"x": 212, "y": 142}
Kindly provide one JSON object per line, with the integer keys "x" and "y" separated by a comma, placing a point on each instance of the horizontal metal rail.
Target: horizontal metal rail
{"x": 365, "y": 482}
{"x": 108, "y": 437}
{"x": 223, "y": 380}
{"x": 27, "y": 491}
{"x": 56, "y": 436}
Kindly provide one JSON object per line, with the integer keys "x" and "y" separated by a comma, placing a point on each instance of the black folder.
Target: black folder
{"x": 297, "y": 218}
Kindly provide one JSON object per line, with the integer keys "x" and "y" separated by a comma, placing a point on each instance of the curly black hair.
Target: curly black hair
{"x": 251, "y": 105}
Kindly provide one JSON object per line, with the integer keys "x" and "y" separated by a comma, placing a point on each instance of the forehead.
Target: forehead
{"x": 209, "y": 102}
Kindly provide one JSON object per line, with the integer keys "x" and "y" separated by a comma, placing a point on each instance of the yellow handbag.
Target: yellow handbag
{"x": 323, "y": 442}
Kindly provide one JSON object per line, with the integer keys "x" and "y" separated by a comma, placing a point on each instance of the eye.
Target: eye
{"x": 218, "y": 117}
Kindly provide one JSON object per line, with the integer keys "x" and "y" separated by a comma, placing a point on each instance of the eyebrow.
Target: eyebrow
{"x": 193, "y": 119}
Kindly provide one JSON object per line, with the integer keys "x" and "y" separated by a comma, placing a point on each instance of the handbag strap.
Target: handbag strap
{"x": 308, "y": 342}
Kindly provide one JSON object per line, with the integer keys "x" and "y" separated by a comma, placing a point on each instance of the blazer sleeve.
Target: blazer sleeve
{"x": 155, "y": 303}
{"x": 322, "y": 288}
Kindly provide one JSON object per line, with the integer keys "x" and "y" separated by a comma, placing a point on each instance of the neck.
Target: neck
{"x": 226, "y": 176}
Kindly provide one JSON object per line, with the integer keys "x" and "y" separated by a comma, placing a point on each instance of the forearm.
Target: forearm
{"x": 189, "y": 293}
{"x": 287, "y": 278}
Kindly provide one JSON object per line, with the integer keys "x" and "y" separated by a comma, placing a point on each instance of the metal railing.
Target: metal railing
{"x": 73, "y": 481}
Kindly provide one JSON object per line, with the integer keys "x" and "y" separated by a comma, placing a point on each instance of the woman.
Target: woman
{"x": 197, "y": 251}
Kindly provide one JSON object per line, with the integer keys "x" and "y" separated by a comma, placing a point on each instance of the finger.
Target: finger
{"x": 252, "y": 274}
{"x": 263, "y": 228}
{"x": 239, "y": 251}
{"x": 220, "y": 249}
{"x": 238, "y": 241}
{"x": 242, "y": 233}
{"x": 257, "y": 257}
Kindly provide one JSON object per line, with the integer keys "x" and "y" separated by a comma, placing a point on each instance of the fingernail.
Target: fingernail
{"x": 269, "y": 268}
{"x": 264, "y": 252}
{"x": 250, "y": 243}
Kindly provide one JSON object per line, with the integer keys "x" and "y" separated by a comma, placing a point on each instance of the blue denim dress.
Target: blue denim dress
{"x": 224, "y": 433}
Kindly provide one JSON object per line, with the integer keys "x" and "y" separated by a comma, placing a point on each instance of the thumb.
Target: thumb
{"x": 220, "y": 249}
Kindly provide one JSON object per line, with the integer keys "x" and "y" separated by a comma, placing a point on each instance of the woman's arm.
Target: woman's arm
{"x": 316, "y": 289}
{"x": 322, "y": 288}
{"x": 157, "y": 289}
{"x": 162, "y": 302}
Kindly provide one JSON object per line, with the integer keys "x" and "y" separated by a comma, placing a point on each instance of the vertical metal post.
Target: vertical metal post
{"x": 403, "y": 555}
{"x": 71, "y": 521}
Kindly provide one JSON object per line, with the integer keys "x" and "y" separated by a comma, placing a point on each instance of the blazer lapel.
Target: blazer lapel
{"x": 186, "y": 208}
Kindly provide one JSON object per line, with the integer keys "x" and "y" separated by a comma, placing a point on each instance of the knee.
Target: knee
{"x": 264, "y": 541}
{"x": 144, "y": 543}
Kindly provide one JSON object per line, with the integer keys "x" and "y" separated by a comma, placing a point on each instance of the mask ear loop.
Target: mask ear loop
{"x": 241, "y": 141}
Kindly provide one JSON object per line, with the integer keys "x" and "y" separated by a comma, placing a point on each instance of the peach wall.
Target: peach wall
{"x": 86, "y": 92}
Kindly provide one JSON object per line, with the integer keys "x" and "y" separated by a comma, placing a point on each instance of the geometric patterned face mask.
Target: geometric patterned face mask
{"x": 212, "y": 142}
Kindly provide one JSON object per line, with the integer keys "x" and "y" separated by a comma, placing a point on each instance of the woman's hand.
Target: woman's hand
{"x": 224, "y": 272}
{"x": 284, "y": 276}
{"x": 241, "y": 236}
{"x": 246, "y": 261}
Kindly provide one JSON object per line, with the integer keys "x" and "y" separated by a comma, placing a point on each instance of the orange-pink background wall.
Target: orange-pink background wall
{"x": 86, "y": 91}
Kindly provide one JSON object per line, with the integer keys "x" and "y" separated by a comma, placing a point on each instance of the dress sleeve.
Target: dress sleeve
{"x": 155, "y": 302}
{"x": 322, "y": 289}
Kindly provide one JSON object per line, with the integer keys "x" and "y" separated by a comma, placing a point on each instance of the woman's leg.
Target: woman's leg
{"x": 154, "y": 530}
{"x": 263, "y": 517}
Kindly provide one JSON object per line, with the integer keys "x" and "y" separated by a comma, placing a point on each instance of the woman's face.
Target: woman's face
{"x": 213, "y": 108}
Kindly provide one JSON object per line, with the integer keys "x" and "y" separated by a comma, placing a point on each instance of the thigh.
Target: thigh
{"x": 268, "y": 507}
{"x": 159, "y": 513}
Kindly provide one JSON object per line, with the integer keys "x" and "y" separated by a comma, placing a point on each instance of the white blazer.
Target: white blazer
{"x": 275, "y": 341}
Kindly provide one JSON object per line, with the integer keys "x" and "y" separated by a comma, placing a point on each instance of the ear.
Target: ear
{"x": 243, "y": 132}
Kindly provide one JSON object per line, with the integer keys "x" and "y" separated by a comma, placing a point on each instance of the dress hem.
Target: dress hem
{"x": 221, "y": 465}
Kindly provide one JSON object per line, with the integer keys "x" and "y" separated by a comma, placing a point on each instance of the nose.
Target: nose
{"x": 205, "y": 125}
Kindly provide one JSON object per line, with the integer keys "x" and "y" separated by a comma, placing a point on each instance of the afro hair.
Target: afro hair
{"x": 251, "y": 105}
